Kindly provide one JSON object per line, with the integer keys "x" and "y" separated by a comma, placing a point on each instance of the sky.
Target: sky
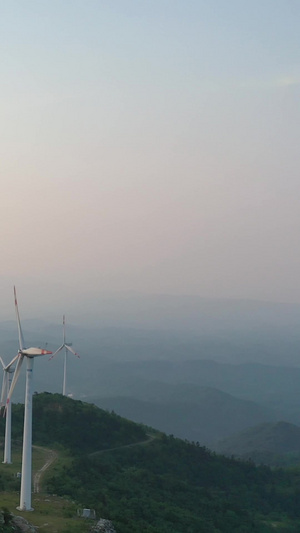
{"x": 150, "y": 146}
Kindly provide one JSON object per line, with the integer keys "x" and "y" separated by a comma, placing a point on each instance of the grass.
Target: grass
{"x": 52, "y": 514}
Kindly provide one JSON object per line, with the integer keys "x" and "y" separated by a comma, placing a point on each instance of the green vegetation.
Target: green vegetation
{"x": 163, "y": 485}
{"x": 172, "y": 486}
{"x": 74, "y": 425}
{"x": 188, "y": 411}
{"x": 6, "y": 525}
{"x": 51, "y": 514}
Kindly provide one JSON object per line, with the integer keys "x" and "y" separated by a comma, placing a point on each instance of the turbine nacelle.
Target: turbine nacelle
{"x": 30, "y": 353}
{"x": 33, "y": 352}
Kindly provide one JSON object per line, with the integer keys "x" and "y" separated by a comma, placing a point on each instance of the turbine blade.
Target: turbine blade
{"x": 21, "y": 338}
{"x": 12, "y": 362}
{"x": 64, "y": 329}
{"x": 5, "y": 381}
{"x": 71, "y": 350}
{"x": 3, "y": 390}
{"x": 55, "y": 353}
{"x": 15, "y": 378}
{"x": 2, "y": 362}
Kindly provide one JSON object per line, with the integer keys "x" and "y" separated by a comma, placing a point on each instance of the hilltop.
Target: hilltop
{"x": 77, "y": 426}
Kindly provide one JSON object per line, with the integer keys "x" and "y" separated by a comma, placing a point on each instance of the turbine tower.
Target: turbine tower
{"x": 67, "y": 347}
{"x": 29, "y": 354}
{"x": 7, "y": 377}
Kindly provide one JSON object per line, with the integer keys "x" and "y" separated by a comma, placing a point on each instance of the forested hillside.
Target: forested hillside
{"x": 157, "y": 485}
{"x": 79, "y": 427}
{"x": 276, "y": 444}
{"x": 195, "y": 413}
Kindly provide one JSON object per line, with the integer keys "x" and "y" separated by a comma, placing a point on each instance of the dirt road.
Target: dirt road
{"x": 139, "y": 443}
{"x": 51, "y": 456}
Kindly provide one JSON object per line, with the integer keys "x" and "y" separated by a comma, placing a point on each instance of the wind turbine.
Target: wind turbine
{"x": 7, "y": 372}
{"x": 67, "y": 347}
{"x": 30, "y": 354}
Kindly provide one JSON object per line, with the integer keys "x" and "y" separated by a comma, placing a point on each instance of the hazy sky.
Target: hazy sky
{"x": 151, "y": 146}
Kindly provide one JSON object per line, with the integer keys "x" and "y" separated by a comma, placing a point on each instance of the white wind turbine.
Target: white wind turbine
{"x": 7, "y": 377}
{"x": 30, "y": 354}
{"x": 67, "y": 347}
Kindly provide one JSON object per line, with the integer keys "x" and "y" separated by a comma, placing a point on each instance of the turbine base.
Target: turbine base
{"x": 24, "y": 509}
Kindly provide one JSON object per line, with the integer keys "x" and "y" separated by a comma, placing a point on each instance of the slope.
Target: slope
{"x": 77, "y": 426}
{"x": 202, "y": 414}
{"x": 162, "y": 486}
{"x": 270, "y": 443}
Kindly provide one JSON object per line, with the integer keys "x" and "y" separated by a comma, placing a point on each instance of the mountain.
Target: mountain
{"x": 79, "y": 427}
{"x": 265, "y": 443}
{"x": 273, "y": 387}
{"x": 159, "y": 484}
{"x": 136, "y": 326}
{"x": 202, "y": 414}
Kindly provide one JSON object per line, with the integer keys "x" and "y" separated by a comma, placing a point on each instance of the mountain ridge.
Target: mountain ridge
{"x": 267, "y": 441}
{"x": 165, "y": 486}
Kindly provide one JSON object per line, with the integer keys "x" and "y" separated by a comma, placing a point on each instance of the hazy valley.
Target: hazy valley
{"x": 230, "y": 366}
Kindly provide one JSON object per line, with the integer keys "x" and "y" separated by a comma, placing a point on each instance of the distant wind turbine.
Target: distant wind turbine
{"x": 67, "y": 347}
{"x": 30, "y": 354}
{"x": 6, "y": 382}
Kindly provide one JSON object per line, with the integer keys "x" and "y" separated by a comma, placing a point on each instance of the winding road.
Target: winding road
{"x": 139, "y": 443}
{"x": 50, "y": 458}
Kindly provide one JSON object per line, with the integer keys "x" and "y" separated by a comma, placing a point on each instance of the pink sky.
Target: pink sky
{"x": 152, "y": 149}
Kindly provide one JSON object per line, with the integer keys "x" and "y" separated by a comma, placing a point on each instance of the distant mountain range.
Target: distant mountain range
{"x": 269, "y": 443}
{"x": 164, "y": 326}
{"x": 195, "y": 367}
{"x": 198, "y": 414}
{"x": 274, "y": 388}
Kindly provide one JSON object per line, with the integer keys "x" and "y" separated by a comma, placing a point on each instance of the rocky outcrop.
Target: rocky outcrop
{"x": 22, "y": 525}
{"x": 103, "y": 526}
{"x": 18, "y": 524}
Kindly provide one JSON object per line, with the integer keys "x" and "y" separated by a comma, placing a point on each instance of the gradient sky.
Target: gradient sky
{"x": 151, "y": 146}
